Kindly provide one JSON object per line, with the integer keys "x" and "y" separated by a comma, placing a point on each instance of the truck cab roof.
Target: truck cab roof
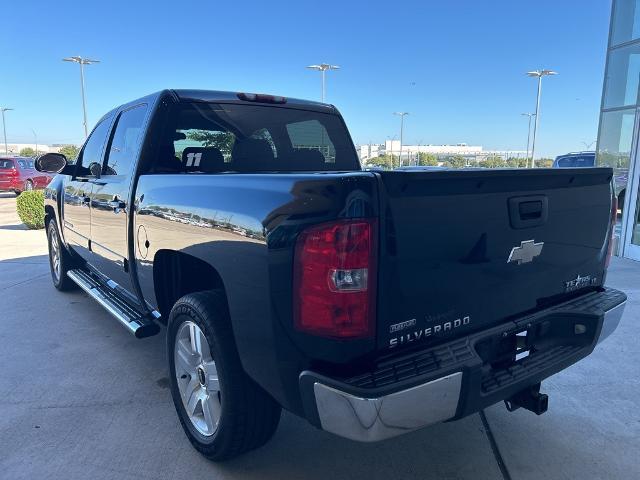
{"x": 189, "y": 95}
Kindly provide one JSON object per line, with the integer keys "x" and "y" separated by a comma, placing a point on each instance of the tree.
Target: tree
{"x": 383, "y": 161}
{"x": 27, "y": 152}
{"x": 69, "y": 151}
{"x": 455, "y": 161}
{"x": 223, "y": 141}
{"x": 516, "y": 162}
{"x": 494, "y": 161}
{"x": 427, "y": 160}
{"x": 544, "y": 163}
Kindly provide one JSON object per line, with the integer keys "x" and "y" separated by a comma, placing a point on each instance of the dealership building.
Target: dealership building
{"x": 618, "y": 132}
{"x": 473, "y": 153}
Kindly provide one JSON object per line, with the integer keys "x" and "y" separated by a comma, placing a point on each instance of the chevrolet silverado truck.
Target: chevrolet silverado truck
{"x": 284, "y": 275}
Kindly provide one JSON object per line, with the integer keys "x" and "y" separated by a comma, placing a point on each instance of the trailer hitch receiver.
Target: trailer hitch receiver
{"x": 530, "y": 399}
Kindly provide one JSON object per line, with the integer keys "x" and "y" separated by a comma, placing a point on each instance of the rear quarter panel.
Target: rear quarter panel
{"x": 245, "y": 226}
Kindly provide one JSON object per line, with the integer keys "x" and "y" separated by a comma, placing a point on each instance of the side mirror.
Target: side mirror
{"x": 51, "y": 163}
{"x": 95, "y": 169}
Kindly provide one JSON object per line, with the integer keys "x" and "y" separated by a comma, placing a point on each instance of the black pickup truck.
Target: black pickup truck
{"x": 370, "y": 303}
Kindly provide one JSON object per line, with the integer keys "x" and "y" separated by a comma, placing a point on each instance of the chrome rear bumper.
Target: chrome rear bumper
{"x": 611, "y": 320}
{"x": 368, "y": 419}
{"x": 373, "y": 419}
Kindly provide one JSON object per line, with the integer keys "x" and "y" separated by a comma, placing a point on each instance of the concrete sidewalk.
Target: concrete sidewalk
{"x": 81, "y": 398}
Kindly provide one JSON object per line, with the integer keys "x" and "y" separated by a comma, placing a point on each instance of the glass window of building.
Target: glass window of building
{"x": 616, "y": 135}
{"x": 623, "y": 77}
{"x": 625, "y": 25}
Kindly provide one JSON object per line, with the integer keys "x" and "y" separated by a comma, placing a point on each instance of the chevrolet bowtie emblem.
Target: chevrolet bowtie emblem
{"x": 526, "y": 252}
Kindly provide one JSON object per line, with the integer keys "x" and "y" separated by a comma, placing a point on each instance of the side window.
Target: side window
{"x": 92, "y": 150}
{"x": 311, "y": 135}
{"x": 126, "y": 141}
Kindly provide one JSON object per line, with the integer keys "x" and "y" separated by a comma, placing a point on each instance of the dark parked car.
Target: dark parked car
{"x": 370, "y": 303}
{"x": 18, "y": 174}
{"x": 575, "y": 160}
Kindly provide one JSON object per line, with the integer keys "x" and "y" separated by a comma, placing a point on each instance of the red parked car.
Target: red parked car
{"x": 18, "y": 174}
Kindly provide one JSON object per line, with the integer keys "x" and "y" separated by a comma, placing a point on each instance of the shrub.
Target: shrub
{"x": 30, "y": 206}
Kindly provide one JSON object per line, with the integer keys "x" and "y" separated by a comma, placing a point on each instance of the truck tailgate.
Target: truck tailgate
{"x": 464, "y": 250}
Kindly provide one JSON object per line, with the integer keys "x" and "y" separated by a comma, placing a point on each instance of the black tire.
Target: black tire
{"x": 59, "y": 274}
{"x": 17, "y": 192}
{"x": 249, "y": 416}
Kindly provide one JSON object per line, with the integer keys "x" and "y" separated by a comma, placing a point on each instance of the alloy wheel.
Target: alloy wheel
{"x": 54, "y": 254}
{"x": 197, "y": 378}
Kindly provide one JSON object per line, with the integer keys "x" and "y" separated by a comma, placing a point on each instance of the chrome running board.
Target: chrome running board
{"x": 139, "y": 324}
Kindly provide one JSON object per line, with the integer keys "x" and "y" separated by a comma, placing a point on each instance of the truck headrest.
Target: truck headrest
{"x": 202, "y": 159}
{"x": 252, "y": 154}
{"x": 308, "y": 159}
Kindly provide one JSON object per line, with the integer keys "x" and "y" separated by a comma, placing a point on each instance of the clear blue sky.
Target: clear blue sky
{"x": 457, "y": 66}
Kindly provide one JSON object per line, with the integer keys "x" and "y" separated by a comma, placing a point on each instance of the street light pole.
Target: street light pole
{"x": 4, "y": 128}
{"x": 538, "y": 74}
{"x": 391, "y": 139}
{"x": 36, "y": 137}
{"x": 401, "y": 114}
{"x": 530, "y": 115}
{"x": 323, "y": 67}
{"x": 82, "y": 62}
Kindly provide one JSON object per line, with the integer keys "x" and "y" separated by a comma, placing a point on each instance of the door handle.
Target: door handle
{"x": 117, "y": 205}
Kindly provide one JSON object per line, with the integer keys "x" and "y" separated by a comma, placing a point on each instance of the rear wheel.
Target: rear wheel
{"x": 222, "y": 411}
{"x": 60, "y": 261}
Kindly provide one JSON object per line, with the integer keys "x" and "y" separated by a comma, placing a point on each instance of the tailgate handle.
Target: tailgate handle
{"x": 527, "y": 212}
{"x": 530, "y": 210}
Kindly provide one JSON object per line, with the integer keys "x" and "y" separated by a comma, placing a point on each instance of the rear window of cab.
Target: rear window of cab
{"x": 6, "y": 164}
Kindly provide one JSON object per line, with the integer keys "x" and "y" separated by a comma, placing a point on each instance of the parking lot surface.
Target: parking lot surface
{"x": 82, "y": 398}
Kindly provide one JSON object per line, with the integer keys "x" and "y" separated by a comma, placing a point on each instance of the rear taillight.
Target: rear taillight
{"x": 334, "y": 279}
{"x": 612, "y": 229}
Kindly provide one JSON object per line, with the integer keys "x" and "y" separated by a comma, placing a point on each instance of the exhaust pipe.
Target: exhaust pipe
{"x": 530, "y": 399}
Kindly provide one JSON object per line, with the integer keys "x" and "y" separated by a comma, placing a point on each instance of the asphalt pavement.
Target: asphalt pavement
{"x": 81, "y": 398}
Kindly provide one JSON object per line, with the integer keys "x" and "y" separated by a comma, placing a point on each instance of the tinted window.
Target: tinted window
{"x": 204, "y": 138}
{"x": 6, "y": 164}
{"x": 210, "y": 137}
{"x": 25, "y": 163}
{"x": 576, "y": 162}
{"x": 312, "y": 135}
{"x": 92, "y": 151}
{"x": 126, "y": 141}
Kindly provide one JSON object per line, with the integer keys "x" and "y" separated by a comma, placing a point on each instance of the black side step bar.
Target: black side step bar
{"x": 139, "y": 324}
